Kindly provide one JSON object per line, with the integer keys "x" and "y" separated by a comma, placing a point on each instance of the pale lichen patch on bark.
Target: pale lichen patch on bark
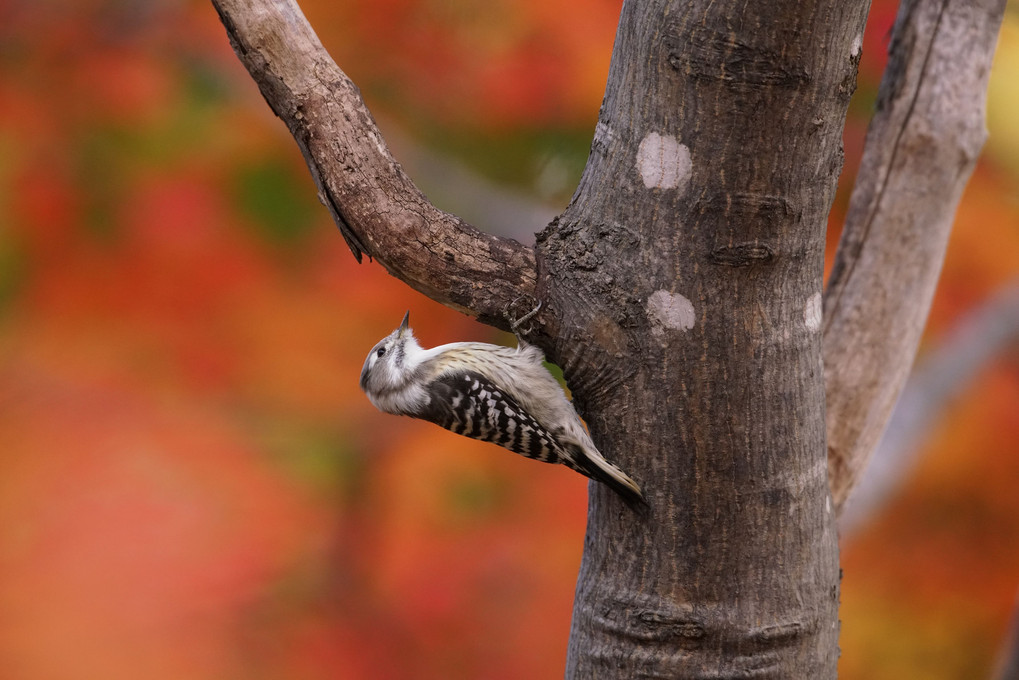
{"x": 663, "y": 162}
{"x": 671, "y": 311}
{"x": 812, "y": 313}
{"x": 603, "y": 134}
{"x": 857, "y": 47}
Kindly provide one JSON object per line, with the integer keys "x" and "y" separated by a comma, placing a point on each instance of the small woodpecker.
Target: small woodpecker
{"x": 489, "y": 392}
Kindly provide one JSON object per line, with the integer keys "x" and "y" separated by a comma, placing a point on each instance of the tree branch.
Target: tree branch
{"x": 921, "y": 149}
{"x": 378, "y": 209}
{"x": 979, "y": 338}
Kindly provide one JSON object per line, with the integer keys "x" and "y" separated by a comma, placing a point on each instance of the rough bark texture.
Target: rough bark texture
{"x": 378, "y": 209}
{"x": 921, "y": 149}
{"x": 687, "y": 277}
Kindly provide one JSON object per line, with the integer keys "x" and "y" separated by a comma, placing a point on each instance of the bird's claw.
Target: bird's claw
{"x": 515, "y": 324}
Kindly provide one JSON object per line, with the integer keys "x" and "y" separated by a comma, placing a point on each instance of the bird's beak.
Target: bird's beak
{"x": 405, "y": 322}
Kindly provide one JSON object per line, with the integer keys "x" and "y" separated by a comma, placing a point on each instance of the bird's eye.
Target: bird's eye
{"x": 382, "y": 350}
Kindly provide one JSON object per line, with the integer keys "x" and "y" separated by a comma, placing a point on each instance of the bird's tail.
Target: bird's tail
{"x": 593, "y": 465}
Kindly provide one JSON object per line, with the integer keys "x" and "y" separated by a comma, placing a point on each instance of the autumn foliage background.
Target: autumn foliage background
{"x": 192, "y": 485}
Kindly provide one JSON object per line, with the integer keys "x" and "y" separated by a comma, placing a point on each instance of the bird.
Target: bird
{"x": 503, "y": 395}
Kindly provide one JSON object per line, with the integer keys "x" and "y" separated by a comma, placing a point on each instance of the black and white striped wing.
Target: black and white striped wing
{"x": 470, "y": 404}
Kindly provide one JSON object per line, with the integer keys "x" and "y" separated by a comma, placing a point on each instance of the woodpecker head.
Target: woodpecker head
{"x": 389, "y": 366}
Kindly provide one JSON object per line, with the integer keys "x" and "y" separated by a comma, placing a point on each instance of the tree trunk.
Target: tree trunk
{"x": 686, "y": 278}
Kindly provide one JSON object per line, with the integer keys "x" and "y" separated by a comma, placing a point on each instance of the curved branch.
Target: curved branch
{"x": 921, "y": 149}
{"x": 378, "y": 209}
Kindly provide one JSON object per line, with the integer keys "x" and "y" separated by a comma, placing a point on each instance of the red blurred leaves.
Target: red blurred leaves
{"x": 487, "y": 65}
{"x": 193, "y": 486}
{"x": 132, "y": 531}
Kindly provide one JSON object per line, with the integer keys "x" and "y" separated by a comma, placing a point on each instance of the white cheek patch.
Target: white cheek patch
{"x": 663, "y": 162}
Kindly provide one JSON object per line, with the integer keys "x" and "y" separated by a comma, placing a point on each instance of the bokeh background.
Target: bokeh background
{"x": 192, "y": 485}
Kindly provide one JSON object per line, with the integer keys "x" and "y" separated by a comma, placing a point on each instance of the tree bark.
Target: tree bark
{"x": 921, "y": 149}
{"x": 686, "y": 274}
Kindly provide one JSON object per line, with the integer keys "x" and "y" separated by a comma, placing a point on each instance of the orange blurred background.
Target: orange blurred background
{"x": 191, "y": 483}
